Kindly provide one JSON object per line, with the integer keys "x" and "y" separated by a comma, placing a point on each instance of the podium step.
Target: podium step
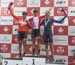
{"x": 28, "y": 60}
{"x": 12, "y": 62}
{"x": 33, "y": 60}
{"x": 55, "y": 64}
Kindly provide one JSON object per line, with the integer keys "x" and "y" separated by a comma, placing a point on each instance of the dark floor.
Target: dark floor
{"x": 0, "y": 64}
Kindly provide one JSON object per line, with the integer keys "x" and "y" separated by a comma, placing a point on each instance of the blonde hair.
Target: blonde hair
{"x": 47, "y": 12}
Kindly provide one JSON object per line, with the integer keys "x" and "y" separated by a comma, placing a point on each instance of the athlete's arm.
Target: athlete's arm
{"x": 57, "y": 21}
{"x": 41, "y": 16}
{"x": 42, "y": 22}
{"x": 10, "y": 9}
{"x": 30, "y": 22}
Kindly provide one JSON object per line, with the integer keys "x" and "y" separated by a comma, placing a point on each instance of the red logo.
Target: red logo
{"x": 60, "y": 50}
{"x": 5, "y": 29}
{"x": 5, "y": 48}
{"x": 71, "y": 40}
{"x": 47, "y": 3}
{"x": 20, "y": 3}
{"x": 71, "y": 2}
{"x": 60, "y": 30}
{"x": 71, "y": 20}
{"x": 30, "y": 10}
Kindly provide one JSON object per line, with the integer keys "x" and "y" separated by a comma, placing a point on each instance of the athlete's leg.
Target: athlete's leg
{"x": 33, "y": 45}
{"x": 33, "y": 41}
{"x": 24, "y": 42}
{"x": 24, "y": 46}
{"x": 20, "y": 43}
{"x": 38, "y": 41}
{"x": 20, "y": 48}
{"x": 51, "y": 48}
{"x": 51, "y": 44}
{"x": 46, "y": 46}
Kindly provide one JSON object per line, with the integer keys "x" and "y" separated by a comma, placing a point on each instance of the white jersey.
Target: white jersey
{"x": 36, "y": 22}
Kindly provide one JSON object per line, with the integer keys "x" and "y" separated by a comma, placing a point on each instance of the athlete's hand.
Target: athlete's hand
{"x": 10, "y": 4}
{"x": 23, "y": 23}
{"x": 62, "y": 10}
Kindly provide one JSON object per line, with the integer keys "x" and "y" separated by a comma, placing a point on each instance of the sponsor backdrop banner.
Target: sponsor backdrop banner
{"x": 63, "y": 34}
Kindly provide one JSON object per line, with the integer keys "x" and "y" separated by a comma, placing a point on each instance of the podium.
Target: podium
{"x": 55, "y": 64}
{"x": 12, "y": 62}
{"x": 33, "y": 61}
{"x": 27, "y": 60}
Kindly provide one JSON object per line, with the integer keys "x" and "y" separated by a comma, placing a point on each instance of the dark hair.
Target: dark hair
{"x": 35, "y": 11}
{"x": 24, "y": 13}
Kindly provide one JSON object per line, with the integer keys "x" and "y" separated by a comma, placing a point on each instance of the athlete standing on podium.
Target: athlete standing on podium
{"x": 47, "y": 23}
{"x": 35, "y": 25}
{"x": 22, "y": 29}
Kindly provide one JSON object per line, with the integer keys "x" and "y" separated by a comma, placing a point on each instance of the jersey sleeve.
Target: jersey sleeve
{"x": 30, "y": 22}
{"x": 42, "y": 21}
{"x": 12, "y": 14}
{"x": 40, "y": 17}
{"x": 58, "y": 21}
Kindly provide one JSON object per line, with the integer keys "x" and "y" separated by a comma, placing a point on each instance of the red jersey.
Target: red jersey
{"x": 23, "y": 24}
